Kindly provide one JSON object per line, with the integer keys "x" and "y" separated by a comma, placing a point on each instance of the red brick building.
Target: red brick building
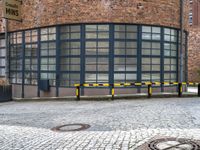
{"x": 194, "y": 41}
{"x": 92, "y": 41}
{"x": 194, "y": 14}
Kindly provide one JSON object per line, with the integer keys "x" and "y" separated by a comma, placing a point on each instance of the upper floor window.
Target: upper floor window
{"x": 151, "y": 33}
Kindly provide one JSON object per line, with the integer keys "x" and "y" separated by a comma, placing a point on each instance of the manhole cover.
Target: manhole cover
{"x": 173, "y": 144}
{"x": 71, "y": 127}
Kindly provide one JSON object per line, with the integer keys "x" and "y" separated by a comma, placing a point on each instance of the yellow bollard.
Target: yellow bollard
{"x": 149, "y": 91}
{"x": 113, "y": 93}
{"x": 180, "y": 89}
{"x": 78, "y": 92}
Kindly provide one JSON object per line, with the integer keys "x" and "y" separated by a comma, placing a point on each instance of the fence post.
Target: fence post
{"x": 199, "y": 90}
{"x": 149, "y": 91}
{"x": 180, "y": 89}
{"x": 78, "y": 92}
{"x": 113, "y": 92}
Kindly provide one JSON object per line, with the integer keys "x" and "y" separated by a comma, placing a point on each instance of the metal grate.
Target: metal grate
{"x": 71, "y": 127}
{"x": 173, "y": 144}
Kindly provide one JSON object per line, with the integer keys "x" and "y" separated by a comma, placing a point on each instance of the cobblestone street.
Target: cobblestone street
{"x": 122, "y": 124}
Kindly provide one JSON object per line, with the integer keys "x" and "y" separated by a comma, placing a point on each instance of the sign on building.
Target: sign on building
{"x": 12, "y": 9}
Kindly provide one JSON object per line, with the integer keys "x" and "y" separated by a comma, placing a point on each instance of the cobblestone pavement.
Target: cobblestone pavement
{"x": 123, "y": 124}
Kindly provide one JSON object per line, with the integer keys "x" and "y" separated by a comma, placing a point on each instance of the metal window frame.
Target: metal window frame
{"x": 83, "y": 55}
{"x": 97, "y": 40}
{"x": 60, "y": 56}
{"x": 3, "y": 57}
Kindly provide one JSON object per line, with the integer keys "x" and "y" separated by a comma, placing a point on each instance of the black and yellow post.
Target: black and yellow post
{"x": 180, "y": 89}
{"x": 149, "y": 90}
{"x": 78, "y": 93}
{"x": 199, "y": 90}
{"x": 113, "y": 92}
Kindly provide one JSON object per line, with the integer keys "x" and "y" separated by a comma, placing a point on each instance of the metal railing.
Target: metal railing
{"x": 149, "y": 85}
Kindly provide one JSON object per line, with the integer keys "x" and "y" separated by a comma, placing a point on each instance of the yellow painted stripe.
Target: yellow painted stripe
{"x": 86, "y": 85}
{"x": 76, "y": 84}
{"x": 127, "y": 84}
{"x": 175, "y": 83}
{"x": 166, "y": 83}
{"x": 148, "y": 83}
{"x": 95, "y": 85}
{"x": 157, "y": 83}
{"x": 117, "y": 84}
{"x": 181, "y": 89}
{"x": 150, "y": 90}
{"x": 191, "y": 83}
{"x": 113, "y": 91}
{"x": 105, "y": 84}
{"x": 138, "y": 84}
{"x": 77, "y": 92}
{"x": 184, "y": 83}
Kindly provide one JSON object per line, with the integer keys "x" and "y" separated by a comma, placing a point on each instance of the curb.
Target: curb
{"x": 105, "y": 98}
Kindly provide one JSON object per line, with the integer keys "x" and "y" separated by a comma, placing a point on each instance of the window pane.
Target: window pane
{"x": 103, "y": 27}
{"x": 156, "y": 29}
{"x": 120, "y": 28}
{"x": 146, "y": 36}
{"x": 146, "y": 29}
{"x": 91, "y": 28}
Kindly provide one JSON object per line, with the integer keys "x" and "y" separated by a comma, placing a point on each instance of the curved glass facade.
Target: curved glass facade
{"x": 94, "y": 53}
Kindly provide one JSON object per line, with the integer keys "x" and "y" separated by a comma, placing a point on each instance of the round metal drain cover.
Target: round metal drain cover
{"x": 71, "y": 127}
{"x": 173, "y": 144}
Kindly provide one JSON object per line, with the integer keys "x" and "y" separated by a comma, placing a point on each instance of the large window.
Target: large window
{"x": 48, "y": 54}
{"x": 70, "y": 61}
{"x": 170, "y": 55}
{"x": 125, "y": 53}
{"x": 97, "y": 53}
{"x": 92, "y": 53}
{"x": 2, "y": 56}
{"x": 31, "y": 53}
{"x": 151, "y": 53}
{"x": 16, "y": 54}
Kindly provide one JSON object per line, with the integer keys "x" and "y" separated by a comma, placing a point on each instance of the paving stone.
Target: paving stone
{"x": 114, "y": 125}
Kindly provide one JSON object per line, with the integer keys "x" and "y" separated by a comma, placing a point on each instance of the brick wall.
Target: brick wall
{"x": 194, "y": 54}
{"x": 38, "y": 13}
{"x": 1, "y": 21}
{"x": 196, "y": 12}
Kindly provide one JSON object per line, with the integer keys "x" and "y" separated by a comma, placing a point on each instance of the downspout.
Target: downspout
{"x": 181, "y": 39}
{"x": 7, "y": 52}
